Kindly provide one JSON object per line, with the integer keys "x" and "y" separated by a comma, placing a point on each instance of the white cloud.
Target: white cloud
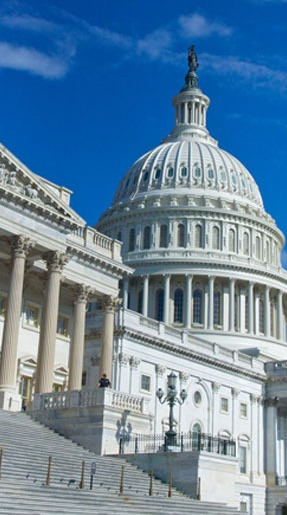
{"x": 110, "y": 37}
{"x": 27, "y": 22}
{"x": 155, "y": 44}
{"x": 196, "y": 25}
{"x": 31, "y": 60}
{"x": 259, "y": 75}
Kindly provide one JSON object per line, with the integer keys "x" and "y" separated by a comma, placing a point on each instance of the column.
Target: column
{"x": 20, "y": 247}
{"x": 133, "y": 382}
{"x": 145, "y": 295}
{"x": 254, "y": 437}
{"x": 215, "y": 406}
{"x": 166, "y": 298}
{"x": 235, "y": 412}
{"x": 260, "y": 432}
{"x": 271, "y": 441}
{"x": 279, "y": 316}
{"x": 125, "y": 292}
{"x": 267, "y": 311}
{"x": 109, "y": 305}
{"x": 231, "y": 304}
{"x": 251, "y": 308}
{"x": 188, "y": 301}
{"x": 78, "y": 338}
{"x": 210, "y": 301}
{"x": 46, "y": 351}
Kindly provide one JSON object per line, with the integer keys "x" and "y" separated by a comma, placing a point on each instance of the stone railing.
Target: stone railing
{"x": 89, "y": 398}
{"x": 94, "y": 240}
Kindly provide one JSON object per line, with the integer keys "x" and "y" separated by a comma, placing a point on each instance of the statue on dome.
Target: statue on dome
{"x": 192, "y": 59}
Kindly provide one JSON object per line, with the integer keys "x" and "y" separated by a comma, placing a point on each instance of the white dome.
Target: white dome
{"x": 193, "y": 167}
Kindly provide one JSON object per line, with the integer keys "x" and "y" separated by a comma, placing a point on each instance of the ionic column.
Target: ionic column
{"x": 109, "y": 306}
{"x": 267, "y": 311}
{"x": 46, "y": 351}
{"x": 125, "y": 292}
{"x": 279, "y": 316}
{"x": 231, "y": 304}
{"x": 210, "y": 301}
{"x": 145, "y": 295}
{"x": 251, "y": 308}
{"x": 166, "y": 298}
{"x": 78, "y": 338}
{"x": 188, "y": 302}
{"x": 20, "y": 247}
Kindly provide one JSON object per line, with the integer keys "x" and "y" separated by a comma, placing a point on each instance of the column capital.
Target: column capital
{"x": 160, "y": 369}
{"x": 110, "y": 303}
{"x": 271, "y": 401}
{"x": 124, "y": 358}
{"x": 21, "y": 246}
{"x": 254, "y": 398}
{"x": 82, "y": 293}
{"x": 55, "y": 260}
{"x": 215, "y": 387}
{"x": 235, "y": 392}
{"x": 134, "y": 362}
{"x": 183, "y": 376}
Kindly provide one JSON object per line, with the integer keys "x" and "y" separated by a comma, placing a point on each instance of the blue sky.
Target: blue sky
{"x": 86, "y": 87}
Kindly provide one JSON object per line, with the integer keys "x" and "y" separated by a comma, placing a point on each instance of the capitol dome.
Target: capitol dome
{"x": 205, "y": 253}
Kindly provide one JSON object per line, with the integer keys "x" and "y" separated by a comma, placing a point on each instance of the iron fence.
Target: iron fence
{"x": 183, "y": 442}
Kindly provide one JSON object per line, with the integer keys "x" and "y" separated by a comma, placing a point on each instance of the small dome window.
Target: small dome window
{"x": 170, "y": 171}
{"x": 197, "y": 172}
{"x": 127, "y": 184}
{"x": 223, "y": 176}
{"x": 197, "y": 398}
{"x": 210, "y": 173}
{"x": 183, "y": 171}
{"x": 157, "y": 173}
{"x": 234, "y": 179}
{"x": 145, "y": 177}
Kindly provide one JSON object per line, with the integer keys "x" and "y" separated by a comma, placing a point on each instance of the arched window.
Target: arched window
{"x": 231, "y": 240}
{"x": 140, "y": 301}
{"x": 159, "y": 303}
{"x": 178, "y": 306}
{"x": 132, "y": 240}
{"x": 147, "y": 237}
{"x": 215, "y": 238}
{"x": 261, "y": 316}
{"x": 246, "y": 244}
{"x": 197, "y": 307}
{"x": 258, "y": 247}
{"x": 163, "y": 236}
{"x": 198, "y": 237}
{"x": 217, "y": 308}
{"x": 180, "y": 235}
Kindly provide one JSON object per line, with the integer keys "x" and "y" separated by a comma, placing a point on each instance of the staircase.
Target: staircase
{"x": 27, "y": 446}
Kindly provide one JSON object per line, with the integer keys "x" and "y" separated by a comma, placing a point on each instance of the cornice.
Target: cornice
{"x": 104, "y": 263}
{"x": 180, "y": 351}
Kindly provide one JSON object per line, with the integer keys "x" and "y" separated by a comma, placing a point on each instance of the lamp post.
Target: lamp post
{"x": 171, "y": 398}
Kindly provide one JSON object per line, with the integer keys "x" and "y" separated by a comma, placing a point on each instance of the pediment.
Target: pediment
{"x": 27, "y": 188}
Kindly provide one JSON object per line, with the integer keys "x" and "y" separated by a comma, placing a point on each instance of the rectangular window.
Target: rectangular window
{"x": 224, "y": 407}
{"x": 243, "y": 459}
{"x": 243, "y": 507}
{"x": 62, "y": 325}
{"x": 145, "y": 383}
{"x": 3, "y": 303}
{"x": 243, "y": 410}
{"x": 31, "y": 315}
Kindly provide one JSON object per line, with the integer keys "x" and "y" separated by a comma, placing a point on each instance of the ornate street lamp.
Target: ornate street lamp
{"x": 171, "y": 399}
